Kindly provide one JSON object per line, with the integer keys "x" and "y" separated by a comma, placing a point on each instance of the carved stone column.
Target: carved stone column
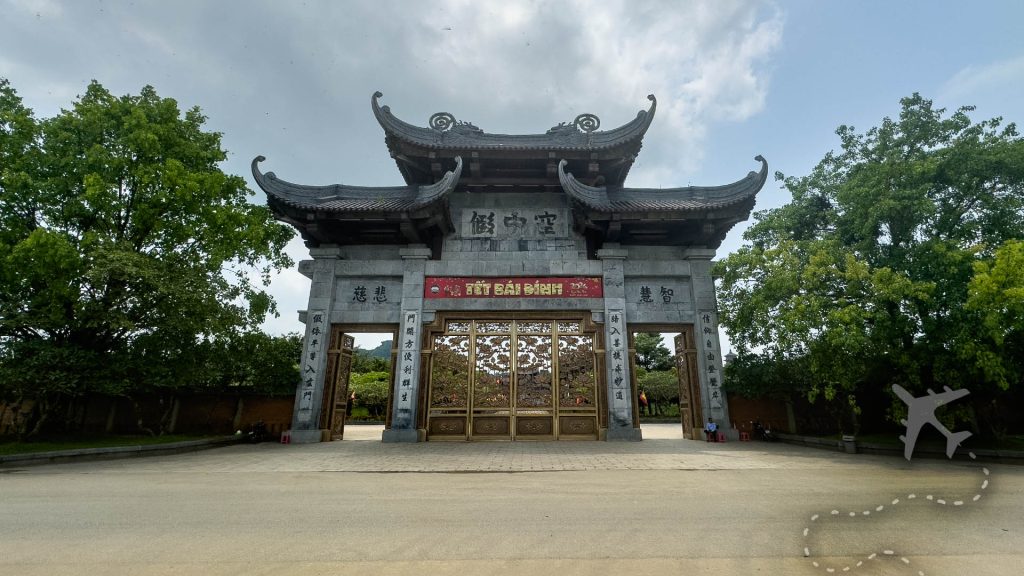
{"x": 709, "y": 349}
{"x": 405, "y": 390}
{"x": 309, "y": 393}
{"x": 616, "y": 344}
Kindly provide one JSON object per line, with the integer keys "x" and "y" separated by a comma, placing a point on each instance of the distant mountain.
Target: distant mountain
{"x": 382, "y": 351}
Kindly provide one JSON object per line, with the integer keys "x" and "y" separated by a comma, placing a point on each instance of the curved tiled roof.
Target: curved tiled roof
{"x": 342, "y": 198}
{"x": 689, "y": 198}
{"x": 447, "y": 133}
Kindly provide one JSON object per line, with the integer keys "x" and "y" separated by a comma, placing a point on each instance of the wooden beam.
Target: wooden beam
{"x": 435, "y": 165}
{"x": 474, "y": 165}
{"x": 410, "y": 233}
{"x": 614, "y": 230}
{"x": 593, "y": 167}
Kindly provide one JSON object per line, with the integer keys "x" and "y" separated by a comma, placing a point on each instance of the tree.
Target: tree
{"x": 124, "y": 249}
{"x": 367, "y": 361}
{"x": 651, "y": 354}
{"x": 371, "y": 390}
{"x": 863, "y": 278}
{"x": 661, "y": 388}
{"x": 253, "y": 362}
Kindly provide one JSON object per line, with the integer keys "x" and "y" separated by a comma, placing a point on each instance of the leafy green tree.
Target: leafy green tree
{"x": 371, "y": 390}
{"x": 661, "y": 388}
{"x": 365, "y": 361}
{"x": 651, "y": 353}
{"x": 254, "y": 362}
{"x": 124, "y": 249}
{"x": 862, "y": 280}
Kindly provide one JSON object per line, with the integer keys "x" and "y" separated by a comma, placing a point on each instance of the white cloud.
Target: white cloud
{"x": 292, "y": 81}
{"x": 291, "y": 291}
{"x": 975, "y": 81}
{"x": 706, "y": 62}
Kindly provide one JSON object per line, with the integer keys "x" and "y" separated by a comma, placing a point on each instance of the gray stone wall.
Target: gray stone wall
{"x": 512, "y": 226}
{"x": 513, "y": 234}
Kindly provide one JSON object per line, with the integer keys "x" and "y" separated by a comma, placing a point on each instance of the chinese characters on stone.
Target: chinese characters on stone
{"x": 665, "y": 293}
{"x": 514, "y": 224}
{"x": 616, "y": 348}
{"x": 708, "y": 330}
{"x": 315, "y": 334}
{"x": 380, "y": 294}
{"x": 405, "y": 372}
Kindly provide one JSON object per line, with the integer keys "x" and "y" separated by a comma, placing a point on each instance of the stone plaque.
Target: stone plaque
{"x": 525, "y": 223}
{"x": 658, "y": 293}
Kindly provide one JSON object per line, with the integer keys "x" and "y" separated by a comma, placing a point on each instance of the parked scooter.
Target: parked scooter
{"x": 762, "y": 433}
{"x": 258, "y": 432}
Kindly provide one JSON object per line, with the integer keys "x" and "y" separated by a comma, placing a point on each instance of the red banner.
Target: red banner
{"x": 512, "y": 287}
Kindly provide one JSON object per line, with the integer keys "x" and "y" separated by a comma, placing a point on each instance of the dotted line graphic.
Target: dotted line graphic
{"x": 881, "y": 508}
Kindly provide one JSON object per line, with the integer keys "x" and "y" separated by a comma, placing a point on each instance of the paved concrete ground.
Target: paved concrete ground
{"x": 661, "y": 506}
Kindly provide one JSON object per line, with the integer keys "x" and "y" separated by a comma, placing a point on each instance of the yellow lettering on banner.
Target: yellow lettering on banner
{"x": 506, "y": 289}
{"x": 518, "y": 287}
{"x": 478, "y": 288}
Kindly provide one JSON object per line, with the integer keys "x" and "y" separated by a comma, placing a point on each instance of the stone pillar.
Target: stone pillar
{"x": 310, "y": 392}
{"x": 620, "y": 394}
{"x": 406, "y": 387}
{"x": 709, "y": 349}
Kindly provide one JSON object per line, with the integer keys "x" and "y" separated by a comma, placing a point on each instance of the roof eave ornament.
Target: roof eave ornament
{"x": 595, "y": 198}
{"x": 261, "y": 177}
{"x": 430, "y": 192}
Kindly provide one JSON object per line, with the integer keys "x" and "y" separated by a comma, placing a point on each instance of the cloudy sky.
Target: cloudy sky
{"x": 292, "y": 80}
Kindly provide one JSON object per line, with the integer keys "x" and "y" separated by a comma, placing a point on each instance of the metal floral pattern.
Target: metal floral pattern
{"x": 494, "y": 327}
{"x": 449, "y": 374}
{"x": 569, "y": 327}
{"x": 493, "y": 372}
{"x": 458, "y": 327}
{"x": 506, "y": 378}
{"x": 541, "y": 327}
{"x": 576, "y": 379}
{"x": 533, "y": 371}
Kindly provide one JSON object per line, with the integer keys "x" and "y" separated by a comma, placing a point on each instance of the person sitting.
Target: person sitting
{"x": 711, "y": 431}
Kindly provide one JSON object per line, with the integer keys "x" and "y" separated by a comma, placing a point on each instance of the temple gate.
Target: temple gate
{"x": 512, "y": 270}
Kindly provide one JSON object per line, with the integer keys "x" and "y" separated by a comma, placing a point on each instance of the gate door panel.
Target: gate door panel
{"x": 577, "y": 383}
{"x": 492, "y": 382}
{"x": 449, "y": 386}
{"x": 535, "y": 407}
{"x": 339, "y": 369}
{"x": 690, "y": 411}
{"x": 520, "y": 387}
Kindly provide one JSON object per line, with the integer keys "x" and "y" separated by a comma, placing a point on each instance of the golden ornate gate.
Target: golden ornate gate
{"x": 339, "y": 368}
{"x": 512, "y": 380}
{"x": 690, "y": 411}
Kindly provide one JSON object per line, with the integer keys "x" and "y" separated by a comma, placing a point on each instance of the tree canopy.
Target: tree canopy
{"x": 124, "y": 248}
{"x": 897, "y": 262}
{"x": 651, "y": 353}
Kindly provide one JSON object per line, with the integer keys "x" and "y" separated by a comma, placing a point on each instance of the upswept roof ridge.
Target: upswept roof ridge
{"x": 620, "y": 199}
{"x": 445, "y": 132}
{"x": 344, "y": 198}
